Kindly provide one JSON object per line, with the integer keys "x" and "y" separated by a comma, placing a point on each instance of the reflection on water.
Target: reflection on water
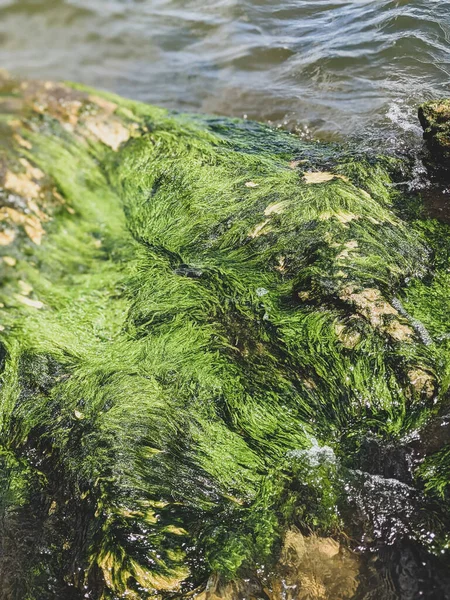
{"x": 326, "y": 67}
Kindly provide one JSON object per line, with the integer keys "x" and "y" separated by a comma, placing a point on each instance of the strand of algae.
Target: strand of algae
{"x": 197, "y": 309}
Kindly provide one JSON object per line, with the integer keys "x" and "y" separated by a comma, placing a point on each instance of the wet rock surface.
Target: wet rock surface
{"x": 435, "y": 119}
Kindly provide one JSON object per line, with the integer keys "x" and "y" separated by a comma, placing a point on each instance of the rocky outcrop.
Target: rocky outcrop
{"x": 206, "y": 328}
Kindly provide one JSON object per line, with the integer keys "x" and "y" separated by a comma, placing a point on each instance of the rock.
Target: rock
{"x": 435, "y": 119}
{"x": 202, "y": 320}
{"x": 309, "y": 568}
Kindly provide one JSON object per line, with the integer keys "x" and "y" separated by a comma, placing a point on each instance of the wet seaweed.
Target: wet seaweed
{"x": 215, "y": 321}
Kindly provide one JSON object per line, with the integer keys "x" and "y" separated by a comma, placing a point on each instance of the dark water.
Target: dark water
{"x": 326, "y": 68}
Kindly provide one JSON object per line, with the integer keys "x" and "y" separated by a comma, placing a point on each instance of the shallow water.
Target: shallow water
{"x": 326, "y": 68}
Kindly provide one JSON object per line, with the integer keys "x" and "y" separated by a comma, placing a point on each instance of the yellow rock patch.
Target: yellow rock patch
{"x": 348, "y": 337}
{"x": 37, "y": 211}
{"x": 316, "y": 569}
{"x": 29, "y": 302}
{"x": 258, "y": 230}
{"x": 281, "y": 266}
{"x": 31, "y": 171}
{"x": 7, "y": 236}
{"x": 305, "y": 296}
{"x": 108, "y": 106}
{"x": 342, "y": 216}
{"x": 276, "y": 208}
{"x": 399, "y": 332}
{"x": 31, "y": 224}
{"x": 322, "y": 177}
{"x": 25, "y": 287}
{"x": 348, "y": 247}
{"x": 21, "y": 184}
{"x": 422, "y": 382}
{"x": 371, "y": 304}
{"x": 111, "y": 133}
{"x": 89, "y": 116}
{"x": 22, "y": 142}
{"x": 310, "y": 568}
{"x": 295, "y": 163}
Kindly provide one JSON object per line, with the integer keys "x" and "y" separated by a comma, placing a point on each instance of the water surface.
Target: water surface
{"x": 324, "y": 68}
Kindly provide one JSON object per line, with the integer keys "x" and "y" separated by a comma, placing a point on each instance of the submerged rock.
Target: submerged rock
{"x": 309, "y": 568}
{"x": 206, "y": 328}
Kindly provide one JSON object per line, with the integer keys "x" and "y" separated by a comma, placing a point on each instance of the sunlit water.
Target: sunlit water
{"x": 325, "y": 68}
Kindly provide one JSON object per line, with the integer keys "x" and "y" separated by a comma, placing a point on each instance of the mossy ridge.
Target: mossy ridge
{"x": 178, "y": 355}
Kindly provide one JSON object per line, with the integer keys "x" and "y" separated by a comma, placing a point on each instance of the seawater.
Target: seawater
{"x": 324, "y": 69}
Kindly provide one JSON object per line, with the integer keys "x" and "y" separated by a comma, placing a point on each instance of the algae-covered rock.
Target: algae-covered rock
{"x": 222, "y": 350}
{"x": 435, "y": 119}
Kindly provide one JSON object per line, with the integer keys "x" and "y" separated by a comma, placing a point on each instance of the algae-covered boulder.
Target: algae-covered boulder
{"x": 225, "y": 360}
{"x": 435, "y": 119}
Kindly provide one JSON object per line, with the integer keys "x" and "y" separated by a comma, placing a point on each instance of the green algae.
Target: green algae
{"x": 217, "y": 316}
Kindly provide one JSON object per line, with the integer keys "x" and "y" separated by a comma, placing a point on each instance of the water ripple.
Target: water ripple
{"x": 336, "y": 67}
